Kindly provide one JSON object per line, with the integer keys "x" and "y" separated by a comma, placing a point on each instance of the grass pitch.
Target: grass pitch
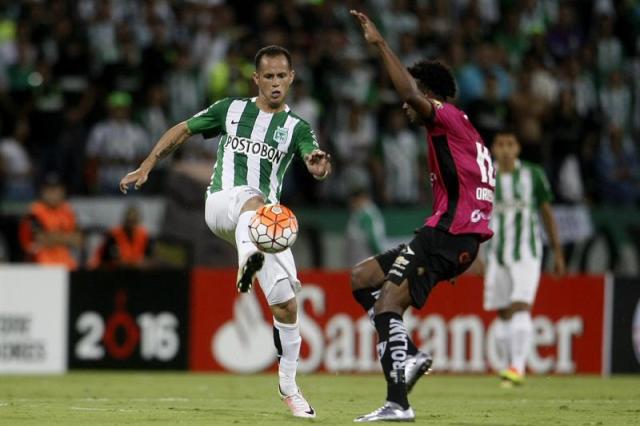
{"x": 218, "y": 399}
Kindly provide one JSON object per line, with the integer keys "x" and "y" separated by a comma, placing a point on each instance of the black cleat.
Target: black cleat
{"x": 247, "y": 272}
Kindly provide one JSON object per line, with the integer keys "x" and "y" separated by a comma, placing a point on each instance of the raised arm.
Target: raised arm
{"x": 404, "y": 83}
{"x": 170, "y": 140}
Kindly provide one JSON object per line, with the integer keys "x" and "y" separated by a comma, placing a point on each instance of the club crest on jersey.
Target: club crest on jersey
{"x": 281, "y": 134}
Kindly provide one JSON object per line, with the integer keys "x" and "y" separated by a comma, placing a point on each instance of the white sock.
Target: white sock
{"x": 521, "y": 331}
{"x": 243, "y": 242}
{"x": 501, "y": 333}
{"x": 290, "y": 342}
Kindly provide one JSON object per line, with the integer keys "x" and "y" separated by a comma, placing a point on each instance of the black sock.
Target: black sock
{"x": 365, "y": 297}
{"x": 411, "y": 347}
{"x": 392, "y": 348}
{"x": 277, "y": 343}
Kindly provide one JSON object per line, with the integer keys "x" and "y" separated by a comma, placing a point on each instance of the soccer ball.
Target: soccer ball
{"x": 274, "y": 228}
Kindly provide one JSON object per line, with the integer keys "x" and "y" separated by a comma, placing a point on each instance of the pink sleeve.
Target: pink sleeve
{"x": 442, "y": 114}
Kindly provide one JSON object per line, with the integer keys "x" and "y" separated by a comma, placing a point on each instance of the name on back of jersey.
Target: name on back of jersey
{"x": 484, "y": 194}
{"x": 255, "y": 148}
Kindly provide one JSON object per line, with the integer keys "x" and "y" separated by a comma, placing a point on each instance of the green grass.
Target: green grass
{"x": 216, "y": 399}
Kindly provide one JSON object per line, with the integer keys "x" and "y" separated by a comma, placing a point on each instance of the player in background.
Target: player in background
{"x": 462, "y": 178}
{"x": 260, "y": 136}
{"x": 514, "y": 255}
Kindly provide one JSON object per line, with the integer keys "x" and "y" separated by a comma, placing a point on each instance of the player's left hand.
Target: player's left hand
{"x": 319, "y": 164}
{"x": 371, "y": 33}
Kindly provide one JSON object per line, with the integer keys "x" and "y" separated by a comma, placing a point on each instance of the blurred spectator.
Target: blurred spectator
{"x": 124, "y": 72}
{"x": 398, "y": 20}
{"x": 609, "y": 48}
{"x": 564, "y": 37}
{"x": 471, "y": 78}
{"x": 48, "y": 233}
{"x": 616, "y": 102}
{"x": 353, "y": 143}
{"x": 567, "y": 139}
{"x": 581, "y": 83}
{"x": 528, "y": 109}
{"x": 185, "y": 88}
{"x": 304, "y": 105}
{"x": 543, "y": 82}
{"x": 153, "y": 116}
{"x": 619, "y": 168}
{"x": 230, "y": 77}
{"x": 46, "y": 119}
{"x": 16, "y": 169}
{"x": 366, "y": 234}
{"x": 115, "y": 147}
{"x": 126, "y": 245}
{"x": 402, "y": 162}
{"x": 488, "y": 114}
{"x": 409, "y": 53}
{"x": 514, "y": 42}
{"x": 101, "y": 33}
{"x": 535, "y": 15}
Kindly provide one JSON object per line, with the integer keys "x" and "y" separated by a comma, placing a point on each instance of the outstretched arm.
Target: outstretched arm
{"x": 172, "y": 139}
{"x": 404, "y": 83}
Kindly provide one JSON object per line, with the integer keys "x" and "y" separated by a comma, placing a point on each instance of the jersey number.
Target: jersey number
{"x": 486, "y": 165}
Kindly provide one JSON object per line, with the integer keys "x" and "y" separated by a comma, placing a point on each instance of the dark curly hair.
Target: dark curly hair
{"x": 435, "y": 76}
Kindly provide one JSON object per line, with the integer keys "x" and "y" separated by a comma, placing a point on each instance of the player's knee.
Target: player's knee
{"x": 391, "y": 300}
{"x": 358, "y": 278}
{"x": 286, "y": 312}
{"x": 366, "y": 274}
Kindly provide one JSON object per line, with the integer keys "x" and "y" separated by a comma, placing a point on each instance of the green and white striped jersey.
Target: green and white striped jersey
{"x": 515, "y": 220}
{"x": 256, "y": 147}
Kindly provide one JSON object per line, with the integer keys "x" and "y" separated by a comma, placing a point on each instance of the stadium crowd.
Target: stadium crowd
{"x": 87, "y": 87}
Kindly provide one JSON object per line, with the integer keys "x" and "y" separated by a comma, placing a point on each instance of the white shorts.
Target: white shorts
{"x": 509, "y": 283}
{"x": 278, "y": 277}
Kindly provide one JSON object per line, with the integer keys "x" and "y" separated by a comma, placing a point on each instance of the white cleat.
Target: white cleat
{"x": 247, "y": 272}
{"x": 415, "y": 367}
{"x": 298, "y": 405}
{"x": 389, "y": 412}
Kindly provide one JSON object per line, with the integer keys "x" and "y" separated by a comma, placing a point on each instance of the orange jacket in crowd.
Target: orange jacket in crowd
{"x": 47, "y": 219}
{"x": 121, "y": 249}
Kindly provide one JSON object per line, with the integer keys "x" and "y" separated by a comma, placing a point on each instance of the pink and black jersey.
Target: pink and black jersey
{"x": 462, "y": 174}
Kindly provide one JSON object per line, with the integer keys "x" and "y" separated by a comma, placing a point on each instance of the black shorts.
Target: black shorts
{"x": 432, "y": 256}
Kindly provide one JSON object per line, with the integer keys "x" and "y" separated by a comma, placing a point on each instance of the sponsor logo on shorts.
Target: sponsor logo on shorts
{"x": 255, "y": 148}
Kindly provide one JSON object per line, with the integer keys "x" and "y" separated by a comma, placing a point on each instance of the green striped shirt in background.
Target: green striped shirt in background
{"x": 256, "y": 147}
{"x": 515, "y": 220}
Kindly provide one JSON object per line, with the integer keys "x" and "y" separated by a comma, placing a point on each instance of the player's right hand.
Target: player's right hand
{"x": 138, "y": 177}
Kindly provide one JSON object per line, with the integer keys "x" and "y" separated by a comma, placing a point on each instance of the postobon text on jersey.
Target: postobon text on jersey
{"x": 251, "y": 147}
